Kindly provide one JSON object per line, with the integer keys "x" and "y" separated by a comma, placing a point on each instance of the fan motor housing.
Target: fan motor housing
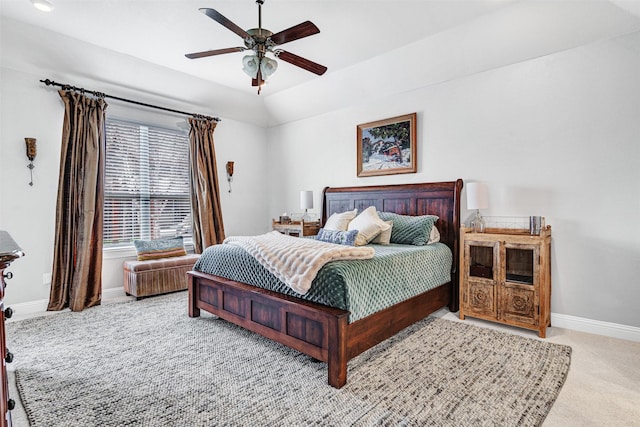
{"x": 258, "y": 41}
{"x": 259, "y": 35}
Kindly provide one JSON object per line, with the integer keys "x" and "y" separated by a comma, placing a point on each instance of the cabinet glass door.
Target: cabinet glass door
{"x": 519, "y": 292}
{"x": 481, "y": 262}
{"x": 482, "y": 272}
{"x": 519, "y": 265}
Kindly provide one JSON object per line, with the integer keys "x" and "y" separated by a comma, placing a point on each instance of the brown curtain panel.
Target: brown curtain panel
{"x": 77, "y": 259}
{"x": 206, "y": 211}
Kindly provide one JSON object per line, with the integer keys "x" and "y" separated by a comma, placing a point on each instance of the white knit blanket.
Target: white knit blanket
{"x": 294, "y": 260}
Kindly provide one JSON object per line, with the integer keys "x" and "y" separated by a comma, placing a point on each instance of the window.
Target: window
{"x": 146, "y": 192}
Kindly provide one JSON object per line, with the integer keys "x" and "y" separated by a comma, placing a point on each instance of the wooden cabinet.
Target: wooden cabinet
{"x": 9, "y": 251}
{"x": 505, "y": 276}
{"x": 297, "y": 228}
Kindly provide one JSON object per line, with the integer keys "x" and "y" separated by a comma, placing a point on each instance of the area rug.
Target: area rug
{"x": 146, "y": 363}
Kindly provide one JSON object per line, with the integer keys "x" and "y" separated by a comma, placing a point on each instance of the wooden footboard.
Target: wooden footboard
{"x": 310, "y": 328}
{"x": 316, "y": 330}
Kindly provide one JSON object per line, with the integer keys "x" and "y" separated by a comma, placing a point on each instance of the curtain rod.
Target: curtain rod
{"x": 104, "y": 95}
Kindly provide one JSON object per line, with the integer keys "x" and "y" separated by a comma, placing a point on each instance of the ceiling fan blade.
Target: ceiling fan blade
{"x": 217, "y": 16}
{"x": 214, "y": 52}
{"x": 296, "y": 32}
{"x": 301, "y": 62}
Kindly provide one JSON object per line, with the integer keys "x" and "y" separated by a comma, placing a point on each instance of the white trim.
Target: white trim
{"x": 613, "y": 330}
{"x": 39, "y": 307}
{"x": 112, "y": 293}
{"x": 30, "y": 307}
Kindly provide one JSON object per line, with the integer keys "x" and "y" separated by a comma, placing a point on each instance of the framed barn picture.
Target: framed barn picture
{"x": 387, "y": 147}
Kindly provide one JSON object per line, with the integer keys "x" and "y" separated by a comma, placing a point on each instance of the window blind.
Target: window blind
{"x": 146, "y": 183}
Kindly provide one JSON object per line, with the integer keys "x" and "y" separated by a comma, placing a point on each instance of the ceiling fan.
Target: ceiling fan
{"x": 258, "y": 66}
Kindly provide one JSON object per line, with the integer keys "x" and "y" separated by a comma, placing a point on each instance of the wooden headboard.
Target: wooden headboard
{"x": 430, "y": 198}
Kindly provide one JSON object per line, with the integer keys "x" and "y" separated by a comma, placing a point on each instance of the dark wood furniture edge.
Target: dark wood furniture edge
{"x": 323, "y": 332}
{"x": 316, "y": 330}
{"x": 9, "y": 252}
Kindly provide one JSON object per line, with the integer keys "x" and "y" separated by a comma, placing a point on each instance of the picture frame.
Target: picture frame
{"x": 387, "y": 147}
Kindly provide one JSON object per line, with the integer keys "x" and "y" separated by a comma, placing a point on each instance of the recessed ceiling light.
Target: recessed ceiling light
{"x": 43, "y": 5}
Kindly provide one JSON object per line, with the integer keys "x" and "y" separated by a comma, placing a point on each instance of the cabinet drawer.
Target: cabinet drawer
{"x": 481, "y": 298}
{"x": 518, "y": 304}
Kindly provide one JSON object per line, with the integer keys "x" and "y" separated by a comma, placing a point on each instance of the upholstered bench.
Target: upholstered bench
{"x": 157, "y": 276}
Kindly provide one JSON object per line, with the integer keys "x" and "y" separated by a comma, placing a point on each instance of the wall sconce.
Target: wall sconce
{"x": 229, "y": 174}
{"x": 31, "y": 154}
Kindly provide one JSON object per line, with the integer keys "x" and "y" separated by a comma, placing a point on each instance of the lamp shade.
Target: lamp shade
{"x": 250, "y": 65}
{"x": 268, "y": 66}
{"x": 306, "y": 199}
{"x": 477, "y": 196}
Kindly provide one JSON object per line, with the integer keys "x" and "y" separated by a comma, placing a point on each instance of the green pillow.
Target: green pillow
{"x": 409, "y": 230}
{"x": 159, "y": 248}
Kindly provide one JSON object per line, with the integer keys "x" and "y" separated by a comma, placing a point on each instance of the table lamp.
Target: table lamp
{"x": 306, "y": 203}
{"x": 477, "y": 198}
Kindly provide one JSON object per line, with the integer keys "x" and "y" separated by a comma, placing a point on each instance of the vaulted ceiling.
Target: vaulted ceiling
{"x": 356, "y": 39}
{"x": 162, "y": 32}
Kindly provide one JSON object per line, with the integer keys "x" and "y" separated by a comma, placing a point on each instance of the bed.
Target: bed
{"x": 322, "y": 332}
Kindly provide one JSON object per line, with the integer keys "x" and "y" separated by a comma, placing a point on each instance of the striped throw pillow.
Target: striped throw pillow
{"x": 338, "y": 237}
{"x": 159, "y": 248}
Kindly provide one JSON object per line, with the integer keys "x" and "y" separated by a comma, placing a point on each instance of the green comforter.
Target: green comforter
{"x": 363, "y": 287}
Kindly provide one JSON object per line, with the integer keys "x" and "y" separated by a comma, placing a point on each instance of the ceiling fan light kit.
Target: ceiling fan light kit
{"x": 262, "y": 41}
{"x": 252, "y": 63}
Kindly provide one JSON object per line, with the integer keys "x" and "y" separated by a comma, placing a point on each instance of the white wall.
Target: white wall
{"x": 556, "y": 136}
{"x": 28, "y": 109}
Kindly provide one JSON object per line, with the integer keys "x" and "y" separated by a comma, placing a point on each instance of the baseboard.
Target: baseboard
{"x": 31, "y": 308}
{"x": 613, "y": 330}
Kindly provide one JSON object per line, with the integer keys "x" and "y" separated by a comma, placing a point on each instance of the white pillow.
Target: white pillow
{"x": 384, "y": 238}
{"x": 340, "y": 221}
{"x": 434, "y": 236}
{"x": 368, "y": 224}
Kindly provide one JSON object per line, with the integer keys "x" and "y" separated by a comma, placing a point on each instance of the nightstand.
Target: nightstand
{"x": 297, "y": 228}
{"x": 505, "y": 276}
